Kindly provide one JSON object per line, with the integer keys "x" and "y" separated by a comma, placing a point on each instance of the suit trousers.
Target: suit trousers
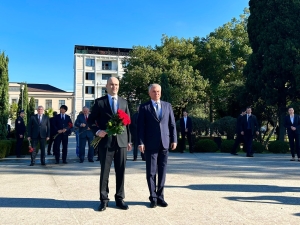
{"x": 61, "y": 139}
{"x": 294, "y": 143}
{"x": 35, "y": 142}
{"x": 82, "y": 144}
{"x": 248, "y": 138}
{"x": 19, "y": 145}
{"x": 189, "y": 137}
{"x": 106, "y": 156}
{"x": 50, "y": 143}
{"x": 156, "y": 161}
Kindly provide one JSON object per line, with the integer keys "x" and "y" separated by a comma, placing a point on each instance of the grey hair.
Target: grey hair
{"x": 40, "y": 106}
{"x": 153, "y": 85}
{"x": 85, "y": 107}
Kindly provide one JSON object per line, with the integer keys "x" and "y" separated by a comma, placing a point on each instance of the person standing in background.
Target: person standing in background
{"x": 186, "y": 128}
{"x": 52, "y": 133}
{"x": 20, "y": 130}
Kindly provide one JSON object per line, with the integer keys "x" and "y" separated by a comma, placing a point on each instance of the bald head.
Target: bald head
{"x": 112, "y": 86}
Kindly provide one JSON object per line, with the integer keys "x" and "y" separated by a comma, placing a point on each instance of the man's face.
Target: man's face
{"x": 22, "y": 114}
{"x": 291, "y": 111}
{"x": 62, "y": 110}
{"x": 85, "y": 111}
{"x": 249, "y": 111}
{"x": 40, "y": 110}
{"x": 185, "y": 114}
{"x": 112, "y": 86}
{"x": 155, "y": 93}
{"x": 243, "y": 113}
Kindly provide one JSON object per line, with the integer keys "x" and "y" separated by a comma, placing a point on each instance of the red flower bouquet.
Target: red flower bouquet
{"x": 30, "y": 148}
{"x": 70, "y": 126}
{"x": 116, "y": 125}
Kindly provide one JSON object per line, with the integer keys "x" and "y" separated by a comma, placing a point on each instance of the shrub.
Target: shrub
{"x": 205, "y": 145}
{"x": 225, "y": 125}
{"x": 5, "y": 147}
{"x": 226, "y": 145}
{"x": 278, "y": 147}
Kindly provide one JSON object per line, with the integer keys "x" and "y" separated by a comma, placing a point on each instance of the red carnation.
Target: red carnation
{"x": 70, "y": 125}
{"x": 124, "y": 117}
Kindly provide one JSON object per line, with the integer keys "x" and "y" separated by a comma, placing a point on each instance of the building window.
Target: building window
{"x": 14, "y": 100}
{"x": 48, "y": 104}
{"x": 90, "y": 76}
{"x": 106, "y": 65}
{"x": 89, "y": 103}
{"x": 106, "y": 76}
{"x": 89, "y": 90}
{"x": 61, "y": 102}
{"x": 36, "y": 103}
{"x": 103, "y": 91}
{"x": 90, "y": 62}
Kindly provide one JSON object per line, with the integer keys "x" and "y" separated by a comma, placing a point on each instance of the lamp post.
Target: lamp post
{"x": 22, "y": 88}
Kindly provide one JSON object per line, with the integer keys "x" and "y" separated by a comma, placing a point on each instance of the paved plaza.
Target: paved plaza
{"x": 201, "y": 188}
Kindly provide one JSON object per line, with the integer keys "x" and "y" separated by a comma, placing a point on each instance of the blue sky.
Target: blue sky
{"x": 39, "y": 35}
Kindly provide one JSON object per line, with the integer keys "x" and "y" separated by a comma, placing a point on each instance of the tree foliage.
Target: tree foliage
{"x": 23, "y": 101}
{"x": 4, "y": 106}
{"x": 273, "y": 69}
{"x": 31, "y": 107}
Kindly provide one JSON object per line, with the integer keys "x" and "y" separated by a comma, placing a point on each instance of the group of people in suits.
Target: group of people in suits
{"x": 41, "y": 130}
{"x": 155, "y": 135}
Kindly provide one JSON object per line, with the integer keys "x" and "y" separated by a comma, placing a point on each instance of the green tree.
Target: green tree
{"x": 165, "y": 95}
{"x": 23, "y": 101}
{"x": 222, "y": 55}
{"x": 13, "y": 111}
{"x": 4, "y": 106}
{"x": 273, "y": 69}
{"x": 31, "y": 107}
{"x": 174, "y": 58}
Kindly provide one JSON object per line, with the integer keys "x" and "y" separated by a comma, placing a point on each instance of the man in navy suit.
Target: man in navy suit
{"x": 39, "y": 131}
{"x": 249, "y": 127}
{"x": 292, "y": 125}
{"x": 20, "y": 130}
{"x": 239, "y": 137}
{"x": 62, "y": 126}
{"x": 111, "y": 148}
{"x": 85, "y": 134}
{"x": 186, "y": 128}
{"x": 156, "y": 134}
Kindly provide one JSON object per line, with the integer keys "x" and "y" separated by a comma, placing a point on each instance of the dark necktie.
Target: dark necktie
{"x": 39, "y": 119}
{"x": 86, "y": 118}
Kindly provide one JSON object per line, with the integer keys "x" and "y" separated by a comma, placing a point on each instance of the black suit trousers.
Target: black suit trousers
{"x": 35, "y": 142}
{"x": 248, "y": 137}
{"x": 189, "y": 137}
{"x": 294, "y": 143}
{"x": 61, "y": 139}
{"x": 106, "y": 156}
{"x": 19, "y": 145}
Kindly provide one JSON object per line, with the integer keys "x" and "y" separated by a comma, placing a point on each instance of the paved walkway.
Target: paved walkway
{"x": 209, "y": 188}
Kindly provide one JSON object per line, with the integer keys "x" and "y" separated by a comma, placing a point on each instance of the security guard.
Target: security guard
{"x": 20, "y": 132}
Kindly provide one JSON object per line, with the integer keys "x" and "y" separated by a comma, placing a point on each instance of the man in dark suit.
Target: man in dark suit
{"x": 111, "y": 148}
{"x": 8, "y": 131}
{"x": 156, "y": 134}
{"x": 85, "y": 134}
{"x": 62, "y": 126}
{"x": 133, "y": 130}
{"x": 20, "y": 129}
{"x": 38, "y": 131}
{"x": 239, "y": 137}
{"x": 249, "y": 128}
{"x": 292, "y": 125}
{"x": 52, "y": 133}
{"x": 186, "y": 128}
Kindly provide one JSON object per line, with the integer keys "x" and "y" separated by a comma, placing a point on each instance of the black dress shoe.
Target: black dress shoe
{"x": 122, "y": 205}
{"x": 249, "y": 156}
{"x": 102, "y": 206}
{"x": 135, "y": 159}
{"x": 31, "y": 164}
{"x": 162, "y": 203}
{"x": 43, "y": 164}
{"x": 153, "y": 204}
{"x": 56, "y": 162}
{"x": 49, "y": 153}
{"x": 65, "y": 162}
{"x": 90, "y": 160}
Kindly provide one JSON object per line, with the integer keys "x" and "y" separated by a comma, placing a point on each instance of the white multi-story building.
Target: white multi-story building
{"x": 93, "y": 66}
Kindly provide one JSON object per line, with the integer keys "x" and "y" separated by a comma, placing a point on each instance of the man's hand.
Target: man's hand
{"x": 82, "y": 125}
{"x": 60, "y": 131}
{"x": 173, "y": 146}
{"x": 28, "y": 138}
{"x": 142, "y": 148}
{"x": 88, "y": 128}
{"x": 257, "y": 133}
{"x": 242, "y": 133}
{"x": 293, "y": 128}
{"x": 129, "y": 147}
{"x": 101, "y": 134}
{"x": 64, "y": 130}
{"x": 21, "y": 136}
{"x": 47, "y": 138}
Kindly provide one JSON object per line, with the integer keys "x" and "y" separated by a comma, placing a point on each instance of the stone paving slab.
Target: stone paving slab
{"x": 201, "y": 188}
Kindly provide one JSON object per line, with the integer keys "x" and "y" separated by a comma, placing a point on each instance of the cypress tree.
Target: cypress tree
{"x": 273, "y": 69}
{"x": 24, "y": 98}
{"x": 31, "y": 107}
{"x": 4, "y": 106}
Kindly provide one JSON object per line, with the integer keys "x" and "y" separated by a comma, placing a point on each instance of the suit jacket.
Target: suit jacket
{"x": 133, "y": 126}
{"x": 20, "y": 126}
{"x": 99, "y": 117}
{"x": 59, "y": 124}
{"x": 35, "y": 128}
{"x": 52, "y": 127}
{"x": 189, "y": 125}
{"x": 152, "y": 131}
{"x": 253, "y": 124}
{"x": 238, "y": 125}
{"x": 288, "y": 124}
{"x": 84, "y": 132}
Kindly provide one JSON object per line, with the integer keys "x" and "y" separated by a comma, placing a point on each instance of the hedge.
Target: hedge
{"x": 257, "y": 147}
{"x": 227, "y": 145}
{"x": 205, "y": 145}
{"x": 278, "y": 147}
